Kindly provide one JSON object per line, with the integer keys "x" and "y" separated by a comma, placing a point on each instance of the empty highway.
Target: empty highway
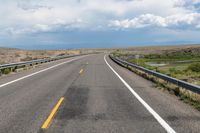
{"x": 89, "y": 94}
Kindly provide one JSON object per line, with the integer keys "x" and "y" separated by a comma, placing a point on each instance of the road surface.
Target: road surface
{"x": 89, "y": 94}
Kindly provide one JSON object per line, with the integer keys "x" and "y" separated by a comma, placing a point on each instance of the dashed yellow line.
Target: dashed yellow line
{"x": 81, "y": 71}
{"x": 51, "y": 115}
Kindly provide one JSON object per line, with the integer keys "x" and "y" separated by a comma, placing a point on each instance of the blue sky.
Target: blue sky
{"x": 50, "y": 24}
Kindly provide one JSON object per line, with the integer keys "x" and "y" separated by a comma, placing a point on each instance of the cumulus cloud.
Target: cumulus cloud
{"x": 191, "y": 20}
{"x": 27, "y": 16}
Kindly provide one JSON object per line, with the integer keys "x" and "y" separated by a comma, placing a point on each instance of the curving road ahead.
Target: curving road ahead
{"x": 89, "y": 94}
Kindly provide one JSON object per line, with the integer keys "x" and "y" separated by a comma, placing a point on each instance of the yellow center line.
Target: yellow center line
{"x": 51, "y": 115}
{"x": 81, "y": 71}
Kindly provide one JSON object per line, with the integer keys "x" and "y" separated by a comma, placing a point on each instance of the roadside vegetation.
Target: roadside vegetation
{"x": 183, "y": 65}
{"x": 180, "y": 65}
{"x": 12, "y": 55}
{"x": 6, "y": 71}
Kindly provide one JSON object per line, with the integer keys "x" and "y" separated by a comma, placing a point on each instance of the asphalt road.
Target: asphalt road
{"x": 98, "y": 96}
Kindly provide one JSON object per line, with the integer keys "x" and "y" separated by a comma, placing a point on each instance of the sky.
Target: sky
{"x": 69, "y": 24}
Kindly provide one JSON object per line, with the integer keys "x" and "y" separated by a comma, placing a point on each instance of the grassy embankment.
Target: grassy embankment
{"x": 184, "y": 66}
{"x": 181, "y": 65}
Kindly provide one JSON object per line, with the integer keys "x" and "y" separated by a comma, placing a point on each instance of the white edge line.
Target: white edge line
{"x": 13, "y": 81}
{"x": 162, "y": 122}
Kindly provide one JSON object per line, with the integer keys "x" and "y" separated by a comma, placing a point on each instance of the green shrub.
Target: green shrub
{"x": 195, "y": 67}
{"x": 172, "y": 70}
{"x": 6, "y": 71}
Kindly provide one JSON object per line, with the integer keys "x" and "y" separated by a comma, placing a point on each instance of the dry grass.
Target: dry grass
{"x": 9, "y": 55}
{"x": 145, "y": 50}
{"x": 183, "y": 94}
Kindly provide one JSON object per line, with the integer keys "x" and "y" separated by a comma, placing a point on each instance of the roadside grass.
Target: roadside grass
{"x": 174, "y": 56}
{"x": 184, "y": 95}
{"x": 188, "y": 100}
{"x": 6, "y": 71}
{"x": 197, "y": 82}
{"x": 178, "y": 70}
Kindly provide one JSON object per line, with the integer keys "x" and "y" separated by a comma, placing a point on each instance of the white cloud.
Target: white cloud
{"x": 191, "y": 20}
{"x": 42, "y": 27}
{"x": 139, "y": 22}
{"x": 26, "y": 16}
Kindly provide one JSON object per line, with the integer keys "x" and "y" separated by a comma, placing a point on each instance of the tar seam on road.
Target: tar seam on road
{"x": 162, "y": 122}
{"x": 51, "y": 115}
{"x": 38, "y": 72}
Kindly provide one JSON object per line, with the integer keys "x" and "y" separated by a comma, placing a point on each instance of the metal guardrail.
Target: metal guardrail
{"x": 180, "y": 83}
{"x": 39, "y": 61}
